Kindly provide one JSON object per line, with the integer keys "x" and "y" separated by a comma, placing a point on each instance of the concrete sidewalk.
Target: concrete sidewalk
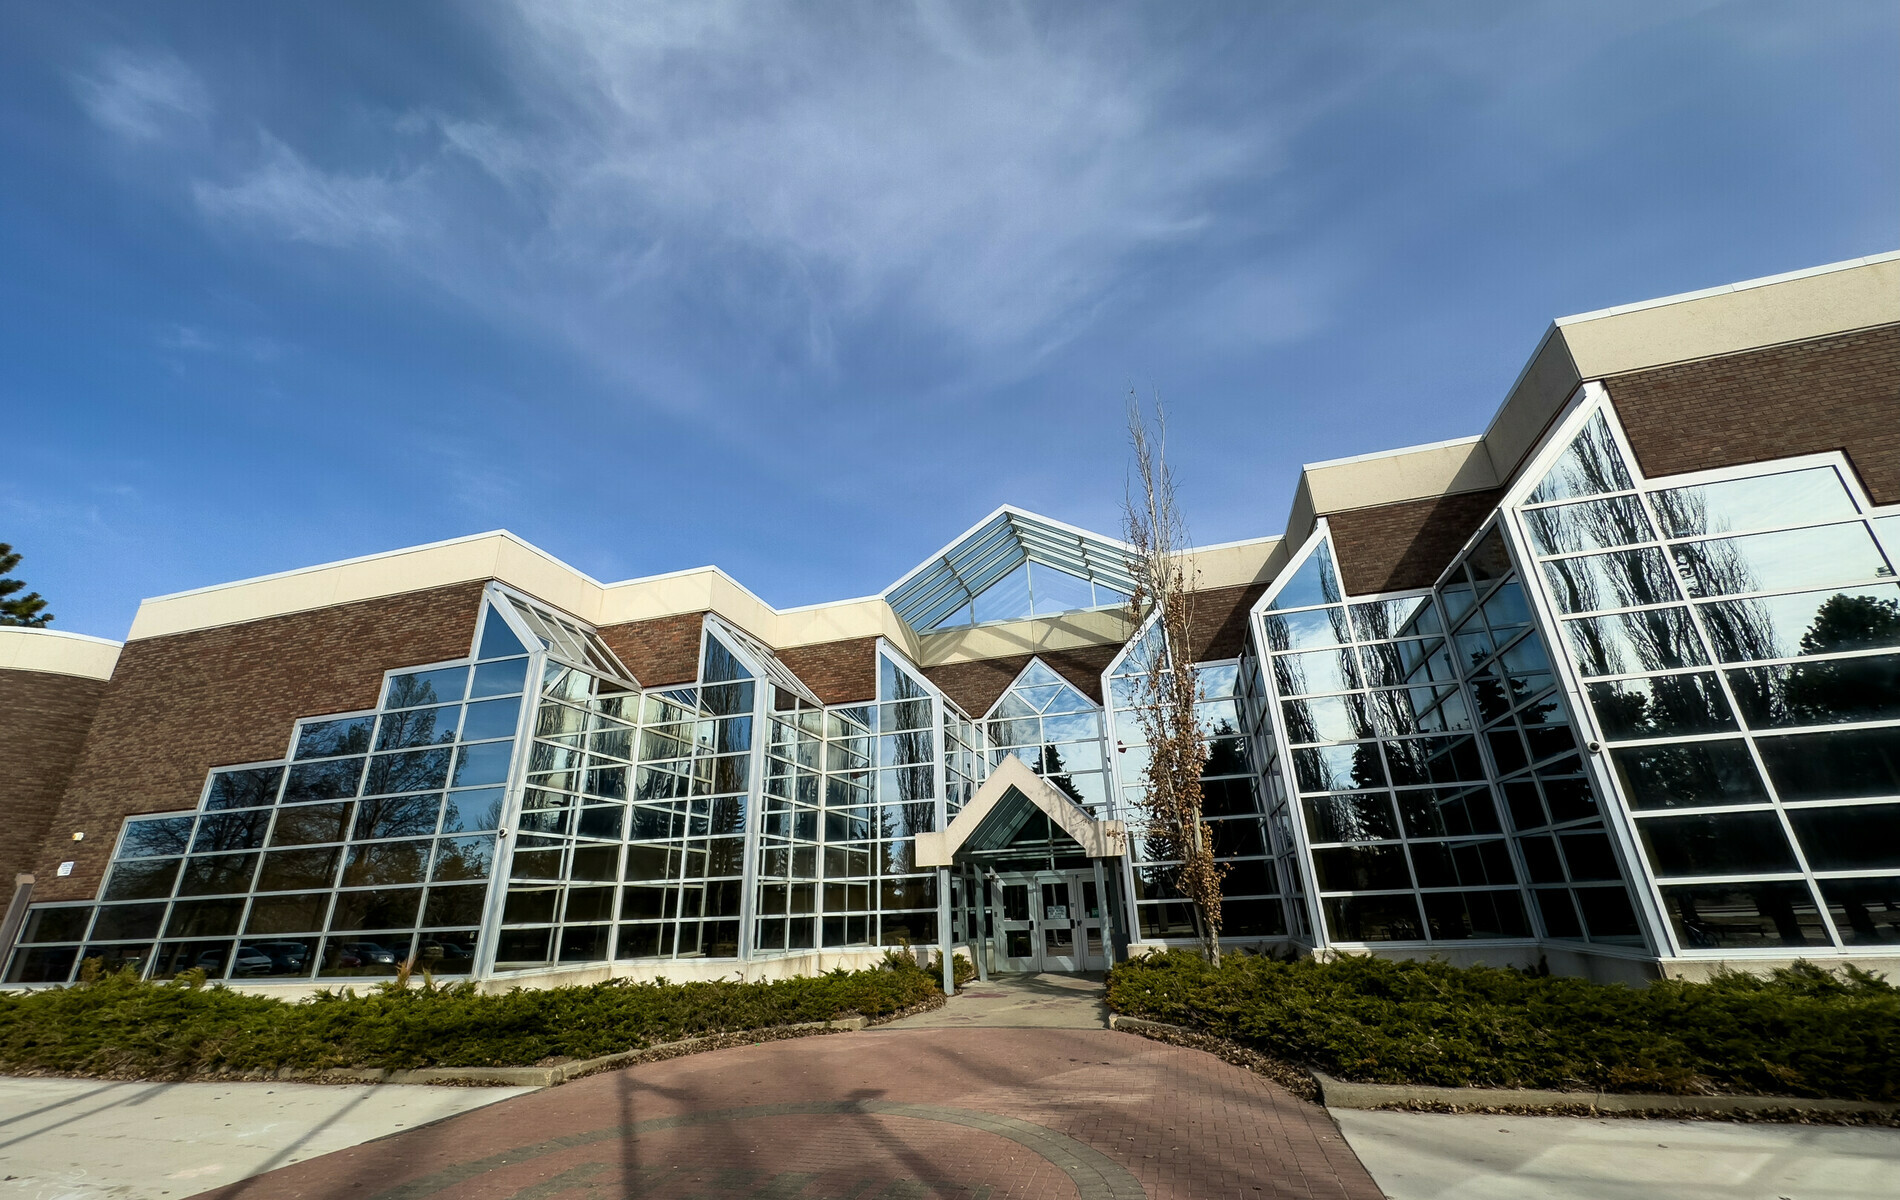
{"x": 1429, "y": 1156}
{"x": 77, "y": 1139}
{"x": 1020, "y": 1002}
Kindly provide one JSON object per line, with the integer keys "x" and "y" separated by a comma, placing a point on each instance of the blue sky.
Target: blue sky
{"x": 806, "y": 289}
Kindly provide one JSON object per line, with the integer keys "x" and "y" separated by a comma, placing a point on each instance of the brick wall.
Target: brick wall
{"x": 1835, "y": 393}
{"x": 978, "y": 685}
{"x": 843, "y": 672}
{"x": 1393, "y": 547}
{"x": 181, "y": 704}
{"x": 662, "y": 652}
{"x": 43, "y": 722}
{"x": 1218, "y": 622}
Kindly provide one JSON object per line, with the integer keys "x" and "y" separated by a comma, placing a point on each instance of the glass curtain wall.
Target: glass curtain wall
{"x": 1394, "y": 804}
{"x": 1055, "y": 730}
{"x": 1737, "y": 636}
{"x": 372, "y": 842}
{"x": 1230, "y": 798}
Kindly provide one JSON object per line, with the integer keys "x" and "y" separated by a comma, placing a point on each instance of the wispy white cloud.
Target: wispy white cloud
{"x": 143, "y": 96}
{"x": 286, "y": 195}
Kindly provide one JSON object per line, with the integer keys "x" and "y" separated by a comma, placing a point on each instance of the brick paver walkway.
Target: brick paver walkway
{"x": 883, "y": 1114}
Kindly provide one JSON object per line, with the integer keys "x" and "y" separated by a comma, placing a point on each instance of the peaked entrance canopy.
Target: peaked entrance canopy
{"x": 1010, "y": 565}
{"x": 1008, "y": 800}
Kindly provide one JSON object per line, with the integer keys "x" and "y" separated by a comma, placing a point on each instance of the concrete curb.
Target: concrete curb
{"x": 550, "y": 1076}
{"x": 1339, "y": 1093}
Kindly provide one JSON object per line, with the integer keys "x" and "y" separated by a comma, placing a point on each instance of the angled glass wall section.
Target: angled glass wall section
{"x": 1736, "y": 635}
{"x": 1231, "y": 797}
{"x": 370, "y": 844}
{"x": 1056, "y": 731}
{"x": 909, "y": 802}
{"x": 1394, "y": 807}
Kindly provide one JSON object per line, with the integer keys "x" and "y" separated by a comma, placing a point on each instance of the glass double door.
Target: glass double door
{"x": 1049, "y": 921}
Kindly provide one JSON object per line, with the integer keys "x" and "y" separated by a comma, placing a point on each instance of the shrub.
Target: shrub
{"x": 962, "y": 969}
{"x": 118, "y": 1026}
{"x": 1800, "y": 1031}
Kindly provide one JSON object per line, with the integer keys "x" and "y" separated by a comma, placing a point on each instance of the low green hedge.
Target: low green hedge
{"x": 1801, "y": 1031}
{"x": 119, "y": 1027}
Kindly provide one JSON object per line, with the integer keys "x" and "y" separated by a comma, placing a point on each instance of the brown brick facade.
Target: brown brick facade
{"x": 662, "y": 652}
{"x": 183, "y": 703}
{"x": 977, "y": 685}
{"x": 1393, "y": 547}
{"x": 1836, "y": 393}
{"x": 43, "y": 722}
{"x": 1218, "y": 622}
{"x": 838, "y": 672}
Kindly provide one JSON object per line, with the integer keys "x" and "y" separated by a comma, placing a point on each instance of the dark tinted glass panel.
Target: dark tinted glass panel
{"x": 295, "y": 913}
{"x": 498, "y": 641}
{"x": 1823, "y": 622}
{"x": 141, "y": 880}
{"x": 1828, "y": 692}
{"x": 1589, "y": 856}
{"x": 46, "y": 965}
{"x": 1748, "y": 843}
{"x": 410, "y": 771}
{"x": 1570, "y": 798}
{"x": 331, "y": 780}
{"x": 1663, "y": 706}
{"x": 418, "y": 727}
{"x": 454, "y": 905}
{"x": 499, "y": 678}
{"x": 114, "y": 959}
{"x": 287, "y": 957}
{"x": 297, "y": 870}
{"x": 1350, "y": 818}
{"x": 65, "y": 924}
{"x": 248, "y": 788}
{"x": 376, "y": 910}
{"x": 1727, "y": 916}
{"x": 1225, "y": 797}
{"x": 126, "y": 922}
{"x": 1455, "y": 916}
{"x": 1692, "y": 776}
{"x": 1237, "y": 837}
{"x": 385, "y": 863}
{"x": 396, "y": 816}
{"x": 204, "y": 918}
{"x": 467, "y": 812}
{"x": 1540, "y": 859}
{"x": 1361, "y": 869}
{"x": 426, "y": 687}
{"x": 1608, "y": 915}
{"x": 241, "y": 830}
{"x": 217, "y": 875}
{"x": 1866, "y": 911}
{"x": 1560, "y": 915}
{"x": 329, "y": 739}
{"x": 491, "y": 719}
{"x": 1373, "y": 919}
{"x": 1834, "y": 766}
{"x": 1856, "y": 837}
{"x": 1253, "y": 918}
{"x": 1434, "y": 760}
{"x": 303, "y": 824}
{"x": 1447, "y": 812}
{"x": 527, "y": 906}
{"x": 153, "y": 838}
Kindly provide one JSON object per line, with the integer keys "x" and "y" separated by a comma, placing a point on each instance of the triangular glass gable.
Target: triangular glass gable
{"x": 1316, "y": 582}
{"x": 1591, "y": 466}
{"x": 498, "y": 640}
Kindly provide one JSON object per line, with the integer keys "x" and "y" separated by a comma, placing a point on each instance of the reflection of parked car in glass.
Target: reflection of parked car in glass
{"x": 432, "y": 950}
{"x": 246, "y": 962}
{"x": 286, "y": 958}
{"x": 370, "y": 953}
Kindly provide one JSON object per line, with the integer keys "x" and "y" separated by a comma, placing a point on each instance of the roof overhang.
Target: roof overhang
{"x": 1011, "y": 795}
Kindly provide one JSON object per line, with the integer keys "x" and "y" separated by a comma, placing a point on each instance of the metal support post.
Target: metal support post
{"x": 979, "y": 916}
{"x": 943, "y": 931}
{"x": 1102, "y": 907}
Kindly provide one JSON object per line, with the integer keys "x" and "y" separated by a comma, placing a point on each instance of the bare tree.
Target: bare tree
{"x": 1168, "y": 685}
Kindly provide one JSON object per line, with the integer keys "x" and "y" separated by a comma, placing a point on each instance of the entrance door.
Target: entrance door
{"x": 1050, "y": 921}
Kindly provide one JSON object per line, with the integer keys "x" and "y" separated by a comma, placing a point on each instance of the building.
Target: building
{"x": 1614, "y": 685}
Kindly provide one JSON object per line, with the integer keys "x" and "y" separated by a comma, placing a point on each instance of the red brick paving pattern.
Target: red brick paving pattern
{"x": 977, "y": 1114}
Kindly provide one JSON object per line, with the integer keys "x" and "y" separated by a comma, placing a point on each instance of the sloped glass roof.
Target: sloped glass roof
{"x": 1013, "y": 565}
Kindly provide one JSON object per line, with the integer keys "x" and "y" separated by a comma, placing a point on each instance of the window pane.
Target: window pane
{"x": 241, "y": 830}
{"x": 1739, "y": 915}
{"x": 427, "y": 687}
{"x": 1624, "y": 579}
{"x": 1664, "y": 706}
{"x": 328, "y": 739}
{"x": 491, "y": 719}
{"x": 297, "y": 870}
{"x": 1310, "y": 630}
{"x": 243, "y": 789}
{"x": 1352, "y": 818}
{"x": 1857, "y": 837}
{"x": 1409, "y": 617}
{"x": 1335, "y": 719}
{"x": 409, "y": 771}
{"x": 1455, "y": 916}
{"x": 1589, "y": 467}
{"x": 141, "y": 879}
{"x": 418, "y": 727}
{"x": 1592, "y": 525}
{"x": 1373, "y": 919}
{"x": 1749, "y": 843}
{"x": 1692, "y": 776}
{"x": 486, "y": 763}
{"x": 1314, "y": 583}
{"x": 298, "y": 913}
{"x": 1762, "y": 502}
{"x": 1448, "y": 812}
{"x": 1834, "y": 766}
{"x": 217, "y": 875}
{"x": 152, "y": 838}
{"x": 1804, "y": 623}
{"x": 1339, "y": 768}
{"x": 1321, "y": 671}
{"x": 384, "y": 863}
{"x": 1828, "y": 692}
{"x": 499, "y": 678}
{"x": 1866, "y": 911}
{"x": 304, "y": 824}
{"x": 1660, "y": 639}
{"x": 1361, "y": 869}
{"x": 323, "y": 780}
{"x": 1791, "y": 559}
{"x": 126, "y": 922}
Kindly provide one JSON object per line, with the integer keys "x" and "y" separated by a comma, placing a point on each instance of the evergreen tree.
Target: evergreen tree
{"x": 29, "y": 609}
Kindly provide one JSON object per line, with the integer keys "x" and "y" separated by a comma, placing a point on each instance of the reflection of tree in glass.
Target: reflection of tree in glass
{"x": 398, "y": 816}
{"x": 1819, "y": 691}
